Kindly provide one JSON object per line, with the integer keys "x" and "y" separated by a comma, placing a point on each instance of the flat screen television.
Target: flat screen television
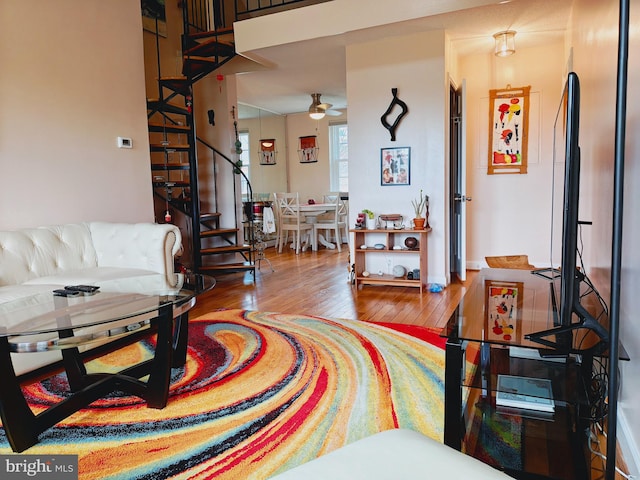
{"x": 565, "y": 284}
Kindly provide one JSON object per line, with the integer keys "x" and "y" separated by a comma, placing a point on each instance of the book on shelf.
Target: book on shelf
{"x": 525, "y": 392}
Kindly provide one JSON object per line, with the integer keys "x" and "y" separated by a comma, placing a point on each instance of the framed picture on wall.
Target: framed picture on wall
{"x": 267, "y": 151}
{"x": 395, "y": 163}
{"x": 508, "y": 130}
{"x": 308, "y": 152}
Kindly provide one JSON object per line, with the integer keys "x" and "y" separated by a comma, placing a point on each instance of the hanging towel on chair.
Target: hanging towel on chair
{"x": 268, "y": 222}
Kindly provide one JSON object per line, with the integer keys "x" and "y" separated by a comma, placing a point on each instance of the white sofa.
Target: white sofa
{"x": 35, "y": 259}
{"x": 394, "y": 455}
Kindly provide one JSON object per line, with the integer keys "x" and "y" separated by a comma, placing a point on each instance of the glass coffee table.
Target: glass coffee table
{"x": 117, "y": 314}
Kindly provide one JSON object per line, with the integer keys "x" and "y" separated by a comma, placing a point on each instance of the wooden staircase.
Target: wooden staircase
{"x": 174, "y": 159}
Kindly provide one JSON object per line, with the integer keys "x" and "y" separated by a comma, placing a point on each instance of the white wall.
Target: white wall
{"x": 267, "y": 178}
{"x": 510, "y": 213}
{"x": 71, "y": 84}
{"x": 415, "y": 65}
{"x": 594, "y": 41}
{"x": 311, "y": 180}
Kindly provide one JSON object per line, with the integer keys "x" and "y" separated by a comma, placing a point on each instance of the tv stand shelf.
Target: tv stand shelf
{"x": 389, "y": 238}
{"x": 481, "y": 338}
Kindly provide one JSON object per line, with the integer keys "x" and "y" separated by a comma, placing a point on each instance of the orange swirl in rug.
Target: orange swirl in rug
{"x": 260, "y": 393}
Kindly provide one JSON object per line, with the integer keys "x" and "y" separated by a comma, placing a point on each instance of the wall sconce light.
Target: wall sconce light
{"x": 505, "y": 43}
{"x": 308, "y": 152}
{"x": 267, "y": 151}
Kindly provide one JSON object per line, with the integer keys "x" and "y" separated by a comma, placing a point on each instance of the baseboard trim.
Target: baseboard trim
{"x": 628, "y": 447}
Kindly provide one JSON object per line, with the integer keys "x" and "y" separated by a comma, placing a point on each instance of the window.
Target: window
{"x": 245, "y": 156}
{"x": 339, "y": 157}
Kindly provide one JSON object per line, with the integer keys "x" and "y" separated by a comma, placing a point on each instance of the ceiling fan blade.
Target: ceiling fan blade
{"x": 333, "y": 113}
{"x": 325, "y": 106}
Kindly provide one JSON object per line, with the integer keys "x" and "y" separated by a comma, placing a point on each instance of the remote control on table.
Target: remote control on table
{"x": 82, "y": 288}
{"x": 63, "y": 292}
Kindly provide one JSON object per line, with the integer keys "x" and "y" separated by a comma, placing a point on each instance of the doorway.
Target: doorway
{"x": 457, "y": 187}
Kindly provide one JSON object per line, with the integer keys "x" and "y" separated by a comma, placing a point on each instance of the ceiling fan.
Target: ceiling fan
{"x": 318, "y": 110}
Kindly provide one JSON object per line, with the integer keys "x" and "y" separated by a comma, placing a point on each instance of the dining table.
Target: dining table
{"x": 311, "y": 212}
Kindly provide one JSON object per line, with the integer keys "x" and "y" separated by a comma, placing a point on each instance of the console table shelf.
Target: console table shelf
{"x": 389, "y": 238}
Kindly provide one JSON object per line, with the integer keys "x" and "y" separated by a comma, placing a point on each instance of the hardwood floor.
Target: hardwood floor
{"x": 317, "y": 283}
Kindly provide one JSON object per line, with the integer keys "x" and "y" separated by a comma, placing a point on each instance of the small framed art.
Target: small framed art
{"x": 395, "y": 163}
{"x": 308, "y": 152}
{"x": 267, "y": 151}
{"x": 503, "y": 311}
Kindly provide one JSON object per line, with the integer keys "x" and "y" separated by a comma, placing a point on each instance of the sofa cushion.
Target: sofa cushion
{"x": 147, "y": 246}
{"x": 89, "y": 276}
{"x": 41, "y": 252}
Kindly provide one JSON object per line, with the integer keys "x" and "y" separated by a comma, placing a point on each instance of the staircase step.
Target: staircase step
{"x": 178, "y": 84}
{"x": 158, "y": 106}
{"x": 228, "y": 268}
{"x": 172, "y": 184}
{"x": 225, "y": 249}
{"x": 170, "y": 147}
{"x": 212, "y": 33}
{"x": 209, "y": 217}
{"x": 168, "y": 127}
{"x": 170, "y": 166}
{"x": 210, "y": 48}
{"x": 218, "y": 232}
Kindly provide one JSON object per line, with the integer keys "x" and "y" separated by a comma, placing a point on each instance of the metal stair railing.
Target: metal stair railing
{"x": 215, "y": 154}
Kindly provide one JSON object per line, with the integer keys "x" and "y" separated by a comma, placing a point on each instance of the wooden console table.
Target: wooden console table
{"x": 389, "y": 238}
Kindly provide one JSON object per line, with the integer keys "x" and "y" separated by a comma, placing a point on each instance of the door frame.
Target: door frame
{"x": 457, "y": 181}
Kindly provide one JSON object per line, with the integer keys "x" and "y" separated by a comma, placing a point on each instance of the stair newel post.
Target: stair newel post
{"x": 195, "y": 193}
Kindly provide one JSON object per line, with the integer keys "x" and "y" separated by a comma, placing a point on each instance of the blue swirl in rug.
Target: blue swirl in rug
{"x": 260, "y": 393}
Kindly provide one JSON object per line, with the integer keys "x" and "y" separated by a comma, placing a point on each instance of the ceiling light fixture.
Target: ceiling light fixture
{"x": 316, "y": 114}
{"x": 316, "y": 110}
{"x": 505, "y": 43}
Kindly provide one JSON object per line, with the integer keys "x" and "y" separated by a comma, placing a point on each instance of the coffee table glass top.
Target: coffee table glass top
{"x": 42, "y": 312}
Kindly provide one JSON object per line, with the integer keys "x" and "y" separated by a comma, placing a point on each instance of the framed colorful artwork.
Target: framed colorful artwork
{"x": 267, "y": 151}
{"x": 503, "y": 311}
{"x": 395, "y": 163}
{"x": 308, "y": 151}
{"x": 508, "y": 128}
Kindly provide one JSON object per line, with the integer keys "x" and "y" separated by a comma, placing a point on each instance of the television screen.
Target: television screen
{"x": 565, "y": 285}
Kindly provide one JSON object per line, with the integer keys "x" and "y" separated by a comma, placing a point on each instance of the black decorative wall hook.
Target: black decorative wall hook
{"x": 394, "y": 102}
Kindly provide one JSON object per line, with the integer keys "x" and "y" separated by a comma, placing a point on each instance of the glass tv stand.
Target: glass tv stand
{"x": 487, "y": 339}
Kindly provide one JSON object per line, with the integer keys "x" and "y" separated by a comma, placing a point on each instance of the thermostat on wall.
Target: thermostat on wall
{"x": 124, "y": 142}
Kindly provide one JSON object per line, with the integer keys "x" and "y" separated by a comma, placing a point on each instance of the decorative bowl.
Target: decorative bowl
{"x": 411, "y": 242}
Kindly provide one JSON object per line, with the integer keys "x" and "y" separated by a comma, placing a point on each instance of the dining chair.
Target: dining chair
{"x": 334, "y": 220}
{"x": 291, "y": 220}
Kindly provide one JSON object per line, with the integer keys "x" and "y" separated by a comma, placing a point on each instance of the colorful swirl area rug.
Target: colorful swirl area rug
{"x": 260, "y": 393}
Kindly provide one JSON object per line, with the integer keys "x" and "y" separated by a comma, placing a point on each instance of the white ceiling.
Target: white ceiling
{"x": 318, "y": 65}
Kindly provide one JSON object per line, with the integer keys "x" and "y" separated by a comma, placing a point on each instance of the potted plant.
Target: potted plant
{"x": 371, "y": 223}
{"x": 419, "y": 206}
